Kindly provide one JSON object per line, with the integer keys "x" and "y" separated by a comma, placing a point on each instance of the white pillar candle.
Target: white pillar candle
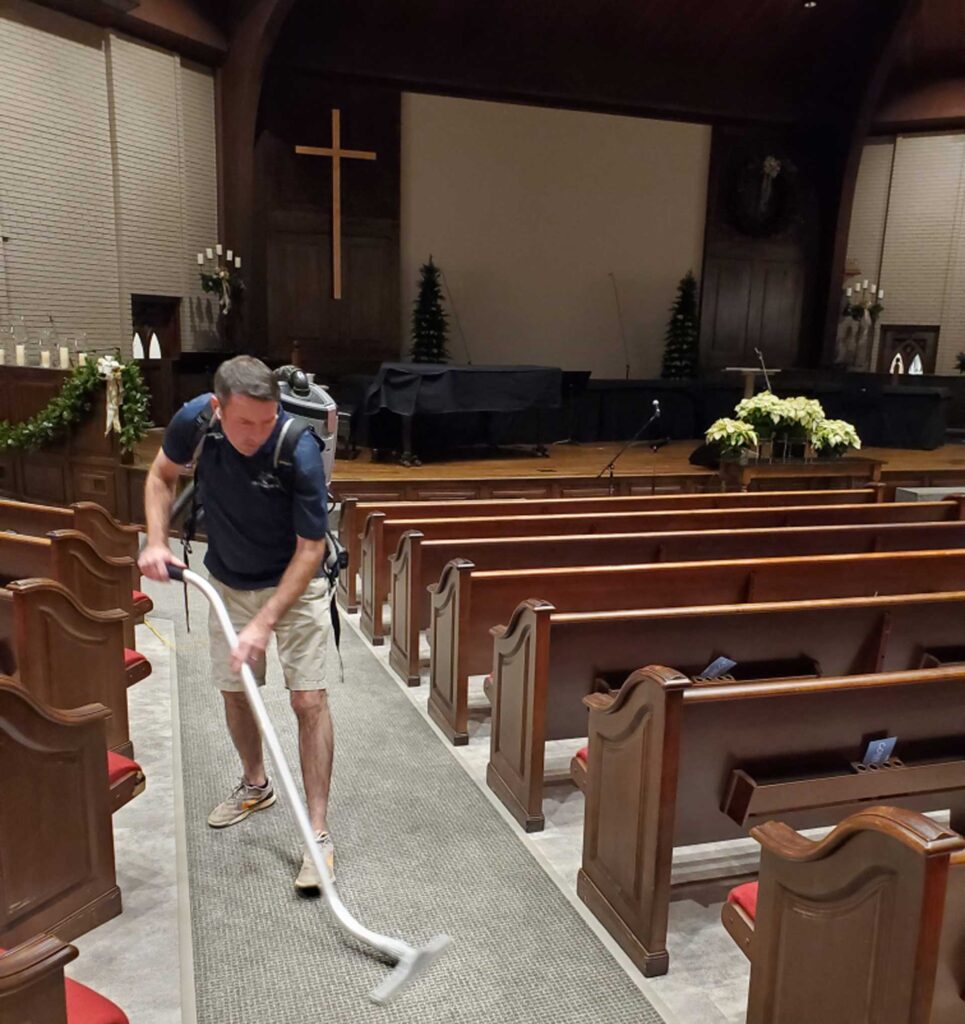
{"x": 3, "y": 357}
{"x": 228, "y": 255}
{"x": 881, "y": 294}
{"x": 81, "y": 358}
{"x": 209, "y": 253}
{"x": 21, "y": 355}
{"x": 45, "y": 359}
{"x": 237, "y": 263}
{"x": 874, "y": 288}
{"x": 200, "y": 259}
{"x": 64, "y": 357}
{"x": 218, "y": 249}
{"x": 864, "y": 286}
{"x": 847, "y": 292}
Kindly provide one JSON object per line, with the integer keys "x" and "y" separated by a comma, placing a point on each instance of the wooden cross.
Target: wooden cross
{"x": 337, "y": 154}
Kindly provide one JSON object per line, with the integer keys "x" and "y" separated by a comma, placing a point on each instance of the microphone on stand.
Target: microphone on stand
{"x": 608, "y": 468}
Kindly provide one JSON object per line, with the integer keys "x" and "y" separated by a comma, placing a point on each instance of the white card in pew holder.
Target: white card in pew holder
{"x": 717, "y": 668}
{"x": 879, "y": 750}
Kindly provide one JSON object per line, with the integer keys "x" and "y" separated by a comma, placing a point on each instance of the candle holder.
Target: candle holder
{"x": 219, "y": 273}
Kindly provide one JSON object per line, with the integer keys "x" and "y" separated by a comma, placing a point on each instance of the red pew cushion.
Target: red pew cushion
{"x": 132, "y": 657}
{"x": 85, "y": 1006}
{"x": 582, "y": 753}
{"x": 745, "y": 896}
{"x": 139, "y": 595}
{"x": 118, "y": 766}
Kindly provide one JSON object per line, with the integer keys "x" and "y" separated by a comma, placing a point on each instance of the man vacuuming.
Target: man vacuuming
{"x": 266, "y": 522}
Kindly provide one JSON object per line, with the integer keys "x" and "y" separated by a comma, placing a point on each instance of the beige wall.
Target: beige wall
{"x": 527, "y": 210}
{"x": 108, "y": 180}
{"x": 908, "y": 234}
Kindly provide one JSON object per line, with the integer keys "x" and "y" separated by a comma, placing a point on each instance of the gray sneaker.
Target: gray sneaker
{"x": 244, "y": 800}
{"x": 308, "y": 876}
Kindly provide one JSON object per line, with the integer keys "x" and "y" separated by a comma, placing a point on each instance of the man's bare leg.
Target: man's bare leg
{"x": 316, "y": 746}
{"x": 245, "y": 736}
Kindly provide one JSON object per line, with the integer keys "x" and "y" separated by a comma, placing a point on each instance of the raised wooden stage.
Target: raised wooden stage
{"x": 573, "y": 468}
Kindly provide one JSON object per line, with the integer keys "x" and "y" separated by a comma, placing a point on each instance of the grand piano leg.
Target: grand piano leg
{"x": 409, "y": 457}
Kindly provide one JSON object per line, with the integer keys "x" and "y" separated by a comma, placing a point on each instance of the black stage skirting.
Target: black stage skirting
{"x": 431, "y": 389}
{"x": 885, "y": 414}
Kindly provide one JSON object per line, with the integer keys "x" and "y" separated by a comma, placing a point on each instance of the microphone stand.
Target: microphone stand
{"x": 608, "y": 468}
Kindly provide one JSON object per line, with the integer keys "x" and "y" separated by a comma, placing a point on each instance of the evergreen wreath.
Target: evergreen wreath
{"x": 73, "y": 403}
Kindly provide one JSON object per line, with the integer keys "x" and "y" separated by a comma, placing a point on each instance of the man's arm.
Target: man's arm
{"x": 301, "y": 570}
{"x": 159, "y": 491}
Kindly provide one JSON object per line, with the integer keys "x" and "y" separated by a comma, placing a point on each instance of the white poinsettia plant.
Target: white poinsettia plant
{"x": 772, "y": 416}
{"x": 732, "y": 435}
{"x": 799, "y": 419}
{"x": 834, "y": 437}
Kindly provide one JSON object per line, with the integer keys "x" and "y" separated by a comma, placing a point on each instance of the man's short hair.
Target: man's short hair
{"x": 245, "y": 375}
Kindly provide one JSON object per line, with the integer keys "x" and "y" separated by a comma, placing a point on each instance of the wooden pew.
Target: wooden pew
{"x": 354, "y": 512}
{"x": 110, "y": 538}
{"x": 56, "y": 842}
{"x": 65, "y": 655}
{"x": 34, "y": 990}
{"x": 867, "y": 924}
{"x": 545, "y": 661}
{"x": 467, "y": 604}
{"x": 418, "y": 563}
{"x": 674, "y": 762}
{"x": 382, "y": 535}
{"x": 67, "y": 556}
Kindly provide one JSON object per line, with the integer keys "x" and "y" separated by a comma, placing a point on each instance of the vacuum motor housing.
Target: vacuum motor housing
{"x": 310, "y": 402}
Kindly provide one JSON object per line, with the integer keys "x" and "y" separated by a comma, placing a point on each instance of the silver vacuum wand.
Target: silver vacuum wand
{"x": 410, "y": 961}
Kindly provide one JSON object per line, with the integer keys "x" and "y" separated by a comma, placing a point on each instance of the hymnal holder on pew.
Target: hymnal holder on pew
{"x": 755, "y": 794}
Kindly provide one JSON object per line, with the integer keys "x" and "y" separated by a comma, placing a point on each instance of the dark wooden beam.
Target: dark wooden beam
{"x": 892, "y": 21}
{"x": 239, "y": 93}
{"x": 178, "y": 25}
{"x": 933, "y": 106}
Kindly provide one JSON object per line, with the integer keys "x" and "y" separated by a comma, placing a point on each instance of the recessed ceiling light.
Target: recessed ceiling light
{"x": 810, "y": 4}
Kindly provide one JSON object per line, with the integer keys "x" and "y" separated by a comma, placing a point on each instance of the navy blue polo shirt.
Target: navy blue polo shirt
{"x": 253, "y": 513}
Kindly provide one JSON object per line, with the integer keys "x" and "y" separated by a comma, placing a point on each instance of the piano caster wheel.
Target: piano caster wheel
{"x": 410, "y": 459}
{"x": 542, "y": 451}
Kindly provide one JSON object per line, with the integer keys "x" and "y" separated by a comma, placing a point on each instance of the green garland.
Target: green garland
{"x": 73, "y": 403}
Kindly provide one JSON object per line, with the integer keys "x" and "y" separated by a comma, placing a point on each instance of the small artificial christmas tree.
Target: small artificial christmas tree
{"x": 680, "y": 352}
{"x": 429, "y": 325}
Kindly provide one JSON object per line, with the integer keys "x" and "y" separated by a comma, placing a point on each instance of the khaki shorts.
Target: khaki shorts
{"x": 301, "y": 635}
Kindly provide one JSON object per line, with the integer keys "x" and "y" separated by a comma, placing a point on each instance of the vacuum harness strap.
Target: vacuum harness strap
{"x": 283, "y": 461}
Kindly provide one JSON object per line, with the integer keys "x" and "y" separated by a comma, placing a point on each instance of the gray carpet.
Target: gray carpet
{"x": 419, "y": 851}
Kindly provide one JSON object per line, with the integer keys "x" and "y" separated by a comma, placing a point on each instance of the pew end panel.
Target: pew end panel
{"x": 448, "y": 682}
{"x": 847, "y": 929}
{"x": 99, "y": 582}
{"x": 109, "y": 536}
{"x": 519, "y": 691}
{"x": 405, "y": 569}
{"x": 346, "y": 592}
{"x": 721, "y": 729}
{"x": 631, "y": 773}
{"x": 67, "y": 655}
{"x": 57, "y": 868}
{"x": 32, "y": 981}
{"x": 371, "y": 557}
